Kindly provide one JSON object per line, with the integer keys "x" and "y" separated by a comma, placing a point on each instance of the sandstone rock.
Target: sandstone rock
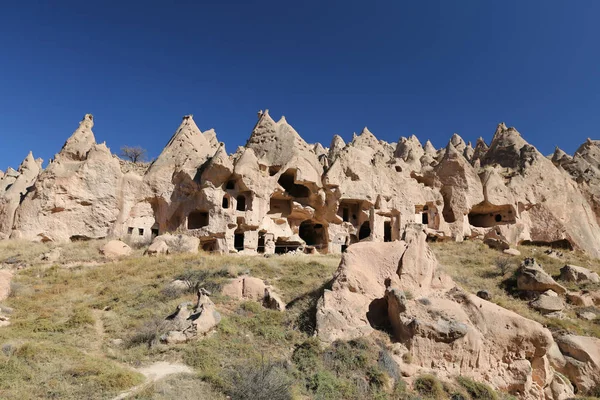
{"x": 272, "y": 300}
{"x": 280, "y": 194}
{"x": 573, "y": 273}
{"x": 582, "y": 355}
{"x": 192, "y": 321}
{"x": 177, "y": 243}
{"x": 158, "y": 247}
{"x": 548, "y": 302}
{"x": 484, "y": 294}
{"x": 115, "y": 249}
{"x": 452, "y": 332}
{"x": 512, "y": 252}
{"x": 4, "y": 321}
{"x": 587, "y": 315}
{"x": 245, "y": 287}
{"x": 584, "y": 298}
{"x": 52, "y": 256}
{"x": 5, "y": 279}
{"x": 531, "y": 277}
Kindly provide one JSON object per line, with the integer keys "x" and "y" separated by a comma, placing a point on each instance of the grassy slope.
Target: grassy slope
{"x": 65, "y": 320}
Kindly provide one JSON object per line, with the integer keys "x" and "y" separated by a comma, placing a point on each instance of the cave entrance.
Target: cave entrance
{"x": 312, "y": 233}
{"x": 365, "y": 230}
{"x": 287, "y": 181}
{"x": 225, "y": 202}
{"x": 487, "y": 215}
{"x": 241, "y": 203}
{"x": 387, "y": 231}
{"x": 238, "y": 240}
{"x": 197, "y": 219}
{"x": 261, "y": 242}
{"x": 282, "y": 246}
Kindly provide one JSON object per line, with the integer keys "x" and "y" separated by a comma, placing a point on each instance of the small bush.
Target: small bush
{"x": 263, "y": 382}
{"x": 377, "y": 377}
{"x": 149, "y": 333}
{"x": 306, "y": 356}
{"x": 81, "y": 316}
{"x": 429, "y": 386}
{"x": 504, "y": 264}
{"x": 477, "y": 390}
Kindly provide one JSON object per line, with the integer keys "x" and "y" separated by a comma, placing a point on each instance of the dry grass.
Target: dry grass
{"x": 61, "y": 343}
{"x": 474, "y": 266}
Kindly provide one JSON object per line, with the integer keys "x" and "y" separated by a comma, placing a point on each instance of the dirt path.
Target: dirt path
{"x": 99, "y": 328}
{"x": 153, "y": 373}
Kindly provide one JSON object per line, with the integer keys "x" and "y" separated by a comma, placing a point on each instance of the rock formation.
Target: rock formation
{"x": 279, "y": 193}
{"x": 398, "y": 287}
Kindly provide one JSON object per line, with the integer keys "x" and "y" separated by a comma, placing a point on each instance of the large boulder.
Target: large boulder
{"x": 245, "y": 287}
{"x": 115, "y": 249}
{"x": 573, "y": 273}
{"x": 177, "y": 243}
{"x": 5, "y": 278}
{"x": 548, "y": 302}
{"x": 532, "y": 277}
{"x": 581, "y": 360}
{"x": 398, "y": 286}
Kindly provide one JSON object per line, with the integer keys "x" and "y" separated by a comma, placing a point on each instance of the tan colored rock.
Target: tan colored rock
{"x": 272, "y": 300}
{"x": 532, "y": 277}
{"x": 446, "y": 330}
{"x": 582, "y": 355}
{"x": 512, "y": 252}
{"x": 573, "y": 273}
{"x": 158, "y": 247}
{"x": 115, "y": 249}
{"x": 177, "y": 243}
{"x": 52, "y": 256}
{"x": 548, "y": 302}
{"x": 5, "y": 279}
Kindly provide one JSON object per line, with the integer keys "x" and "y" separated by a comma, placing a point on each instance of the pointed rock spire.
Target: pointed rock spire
{"x": 409, "y": 149}
{"x": 188, "y": 148}
{"x": 430, "y": 149}
{"x": 80, "y": 142}
{"x": 458, "y": 143}
{"x": 469, "y": 151}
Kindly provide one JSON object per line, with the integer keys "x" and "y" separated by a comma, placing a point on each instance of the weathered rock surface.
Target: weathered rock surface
{"x": 115, "y": 249}
{"x": 192, "y": 320}
{"x": 445, "y": 329}
{"x": 573, "y": 273}
{"x": 250, "y": 288}
{"x": 280, "y": 194}
{"x": 5, "y": 279}
{"x": 532, "y": 277}
{"x": 175, "y": 244}
{"x": 581, "y": 360}
{"x": 548, "y": 302}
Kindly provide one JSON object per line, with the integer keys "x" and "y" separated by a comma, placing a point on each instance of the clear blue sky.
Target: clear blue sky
{"x": 429, "y": 68}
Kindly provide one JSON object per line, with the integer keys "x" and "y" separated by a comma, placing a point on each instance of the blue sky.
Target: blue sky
{"x": 429, "y": 68}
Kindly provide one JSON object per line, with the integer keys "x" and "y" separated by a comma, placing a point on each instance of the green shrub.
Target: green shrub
{"x": 81, "y": 316}
{"x": 429, "y": 386}
{"x": 262, "y": 382}
{"x": 377, "y": 377}
{"x": 477, "y": 390}
{"x": 307, "y": 355}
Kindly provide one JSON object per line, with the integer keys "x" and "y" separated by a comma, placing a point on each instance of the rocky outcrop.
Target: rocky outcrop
{"x": 399, "y": 287}
{"x": 573, "y": 273}
{"x": 532, "y": 277}
{"x": 279, "y": 193}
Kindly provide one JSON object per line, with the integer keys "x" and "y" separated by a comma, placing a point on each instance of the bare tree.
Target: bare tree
{"x": 133, "y": 154}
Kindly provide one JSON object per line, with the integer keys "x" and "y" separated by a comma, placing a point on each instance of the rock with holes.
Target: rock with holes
{"x": 532, "y": 277}
{"x": 573, "y": 273}
{"x": 115, "y": 249}
{"x": 452, "y": 333}
{"x": 52, "y": 256}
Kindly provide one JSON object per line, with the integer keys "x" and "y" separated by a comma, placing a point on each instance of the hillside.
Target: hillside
{"x": 85, "y": 327}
